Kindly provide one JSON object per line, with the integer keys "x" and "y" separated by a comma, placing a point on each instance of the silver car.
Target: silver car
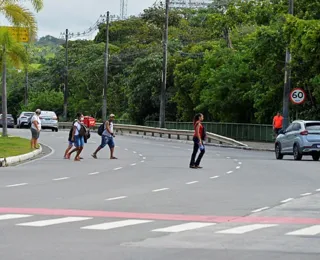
{"x": 49, "y": 120}
{"x": 300, "y": 138}
{"x": 22, "y": 120}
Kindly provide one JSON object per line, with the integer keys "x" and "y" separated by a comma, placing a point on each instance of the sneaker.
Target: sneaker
{"x": 94, "y": 156}
{"x": 193, "y": 167}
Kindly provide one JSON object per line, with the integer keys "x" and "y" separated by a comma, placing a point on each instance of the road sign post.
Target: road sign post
{"x": 297, "y": 96}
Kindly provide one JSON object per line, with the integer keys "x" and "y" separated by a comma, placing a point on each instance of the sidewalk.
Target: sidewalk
{"x": 261, "y": 146}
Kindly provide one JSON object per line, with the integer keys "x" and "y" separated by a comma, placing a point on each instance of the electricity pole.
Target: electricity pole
{"x": 106, "y": 63}
{"x": 4, "y": 94}
{"x": 164, "y": 70}
{"x": 65, "y": 106}
{"x": 287, "y": 79}
{"x": 27, "y": 80}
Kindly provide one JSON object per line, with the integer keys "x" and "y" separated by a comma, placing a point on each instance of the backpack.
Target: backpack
{"x": 83, "y": 130}
{"x": 101, "y": 128}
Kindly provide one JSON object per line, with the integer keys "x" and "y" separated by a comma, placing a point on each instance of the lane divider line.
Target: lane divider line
{"x": 287, "y": 200}
{"x": 214, "y": 177}
{"x": 61, "y": 179}
{"x": 158, "y": 190}
{"x": 142, "y": 161}
{"x": 94, "y": 173}
{"x": 238, "y": 167}
{"x": 133, "y": 164}
{"x": 259, "y": 210}
{"x": 192, "y": 182}
{"x": 305, "y": 194}
{"x": 229, "y": 172}
{"x": 16, "y": 185}
{"x": 117, "y": 169}
{"x": 117, "y": 198}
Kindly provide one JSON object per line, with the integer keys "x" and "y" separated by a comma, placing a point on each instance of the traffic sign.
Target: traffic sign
{"x": 297, "y": 96}
{"x": 21, "y": 34}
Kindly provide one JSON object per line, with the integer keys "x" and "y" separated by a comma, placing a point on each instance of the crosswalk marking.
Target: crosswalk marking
{"x": 309, "y": 231}
{"x": 13, "y": 216}
{"x": 245, "y": 229}
{"x": 184, "y": 227}
{"x": 49, "y": 222}
{"x": 117, "y": 224}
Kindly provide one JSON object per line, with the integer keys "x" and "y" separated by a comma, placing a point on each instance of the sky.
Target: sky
{"x": 59, "y": 15}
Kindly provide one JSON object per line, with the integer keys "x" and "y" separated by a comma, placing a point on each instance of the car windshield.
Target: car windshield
{"x": 313, "y": 126}
{"x": 9, "y": 115}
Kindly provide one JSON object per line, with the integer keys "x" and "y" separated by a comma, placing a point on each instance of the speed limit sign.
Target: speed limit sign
{"x": 297, "y": 96}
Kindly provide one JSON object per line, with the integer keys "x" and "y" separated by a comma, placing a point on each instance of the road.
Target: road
{"x": 243, "y": 205}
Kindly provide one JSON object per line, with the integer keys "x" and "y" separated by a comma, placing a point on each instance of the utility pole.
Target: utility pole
{"x": 287, "y": 79}
{"x": 4, "y": 94}
{"x": 164, "y": 70}
{"x": 26, "y": 96}
{"x": 106, "y": 63}
{"x": 65, "y": 106}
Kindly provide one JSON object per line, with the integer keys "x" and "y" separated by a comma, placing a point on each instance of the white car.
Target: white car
{"x": 22, "y": 120}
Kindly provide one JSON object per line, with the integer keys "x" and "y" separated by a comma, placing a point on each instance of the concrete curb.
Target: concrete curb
{"x": 4, "y": 162}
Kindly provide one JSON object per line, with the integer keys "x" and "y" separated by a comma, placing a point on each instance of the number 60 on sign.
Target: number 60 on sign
{"x": 297, "y": 96}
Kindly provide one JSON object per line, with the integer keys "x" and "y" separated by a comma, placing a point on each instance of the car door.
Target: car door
{"x": 285, "y": 140}
{"x": 293, "y": 135}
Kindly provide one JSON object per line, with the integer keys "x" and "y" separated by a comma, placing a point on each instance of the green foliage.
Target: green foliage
{"x": 226, "y": 61}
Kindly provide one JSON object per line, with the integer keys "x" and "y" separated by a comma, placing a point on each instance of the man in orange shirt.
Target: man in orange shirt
{"x": 277, "y": 123}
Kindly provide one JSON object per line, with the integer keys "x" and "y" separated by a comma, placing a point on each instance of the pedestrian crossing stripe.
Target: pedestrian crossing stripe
{"x": 239, "y": 230}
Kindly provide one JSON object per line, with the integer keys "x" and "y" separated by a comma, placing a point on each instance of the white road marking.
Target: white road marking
{"x": 13, "y": 216}
{"x": 134, "y": 152}
{"x": 142, "y": 161}
{"x": 163, "y": 189}
{"x": 16, "y": 185}
{"x": 133, "y": 164}
{"x": 184, "y": 227}
{"x": 259, "y": 210}
{"x": 305, "y": 194}
{"x": 239, "y": 163}
{"x": 49, "y": 222}
{"x": 228, "y": 158}
{"x": 192, "y": 182}
{"x": 235, "y": 160}
{"x": 94, "y": 173}
{"x": 310, "y": 231}
{"x": 140, "y": 155}
{"x": 117, "y": 224}
{"x": 318, "y": 190}
{"x": 246, "y": 229}
{"x": 126, "y": 149}
{"x": 144, "y": 158}
{"x": 287, "y": 200}
{"x": 214, "y": 177}
{"x": 229, "y": 172}
{"x": 117, "y": 198}
{"x": 238, "y": 167}
{"x": 61, "y": 179}
{"x": 117, "y": 169}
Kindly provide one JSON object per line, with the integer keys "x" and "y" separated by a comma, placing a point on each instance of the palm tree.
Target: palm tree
{"x": 11, "y": 50}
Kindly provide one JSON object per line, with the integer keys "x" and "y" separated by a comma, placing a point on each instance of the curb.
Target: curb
{"x": 4, "y": 162}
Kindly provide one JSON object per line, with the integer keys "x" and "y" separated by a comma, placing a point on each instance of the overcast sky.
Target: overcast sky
{"x": 79, "y": 15}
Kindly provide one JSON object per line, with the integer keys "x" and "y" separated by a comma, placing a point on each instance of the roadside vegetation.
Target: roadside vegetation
{"x": 226, "y": 61}
{"x": 13, "y": 146}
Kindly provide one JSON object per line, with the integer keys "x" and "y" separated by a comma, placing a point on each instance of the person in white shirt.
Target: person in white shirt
{"x": 77, "y": 138}
{"x": 35, "y": 129}
{"x": 107, "y": 138}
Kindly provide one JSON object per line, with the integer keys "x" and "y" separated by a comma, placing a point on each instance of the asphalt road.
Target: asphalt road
{"x": 243, "y": 205}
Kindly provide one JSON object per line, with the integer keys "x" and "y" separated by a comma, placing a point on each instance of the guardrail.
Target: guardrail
{"x": 162, "y": 132}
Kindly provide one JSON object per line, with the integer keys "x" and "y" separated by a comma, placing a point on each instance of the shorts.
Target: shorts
{"x": 277, "y": 130}
{"x": 107, "y": 140}
{"x": 78, "y": 141}
{"x": 71, "y": 143}
{"x": 34, "y": 133}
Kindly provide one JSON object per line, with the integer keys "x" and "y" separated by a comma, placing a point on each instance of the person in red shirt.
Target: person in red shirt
{"x": 277, "y": 123}
{"x": 198, "y": 138}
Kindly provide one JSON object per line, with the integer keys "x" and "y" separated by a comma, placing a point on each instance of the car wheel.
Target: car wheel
{"x": 279, "y": 155}
{"x": 297, "y": 155}
{"x": 52, "y": 129}
{"x": 316, "y": 156}
{"x": 57, "y": 130}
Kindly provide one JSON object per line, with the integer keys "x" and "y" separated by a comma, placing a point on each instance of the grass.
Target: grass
{"x": 13, "y": 146}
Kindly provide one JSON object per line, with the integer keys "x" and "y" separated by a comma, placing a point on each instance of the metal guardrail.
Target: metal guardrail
{"x": 170, "y": 133}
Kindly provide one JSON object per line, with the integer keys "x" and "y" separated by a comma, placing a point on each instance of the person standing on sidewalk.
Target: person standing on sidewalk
{"x": 35, "y": 129}
{"x": 198, "y": 141}
{"x": 277, "y": 124}
{"x": 78, "y": 134}
{"x": 107, "y": 138}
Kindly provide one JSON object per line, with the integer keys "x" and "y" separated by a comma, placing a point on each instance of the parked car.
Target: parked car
{"x": 299, "y": 139}
{"x": 49, "y": 120}
{"x": 10, "y": 121}
{"x": 22, "y": 120}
